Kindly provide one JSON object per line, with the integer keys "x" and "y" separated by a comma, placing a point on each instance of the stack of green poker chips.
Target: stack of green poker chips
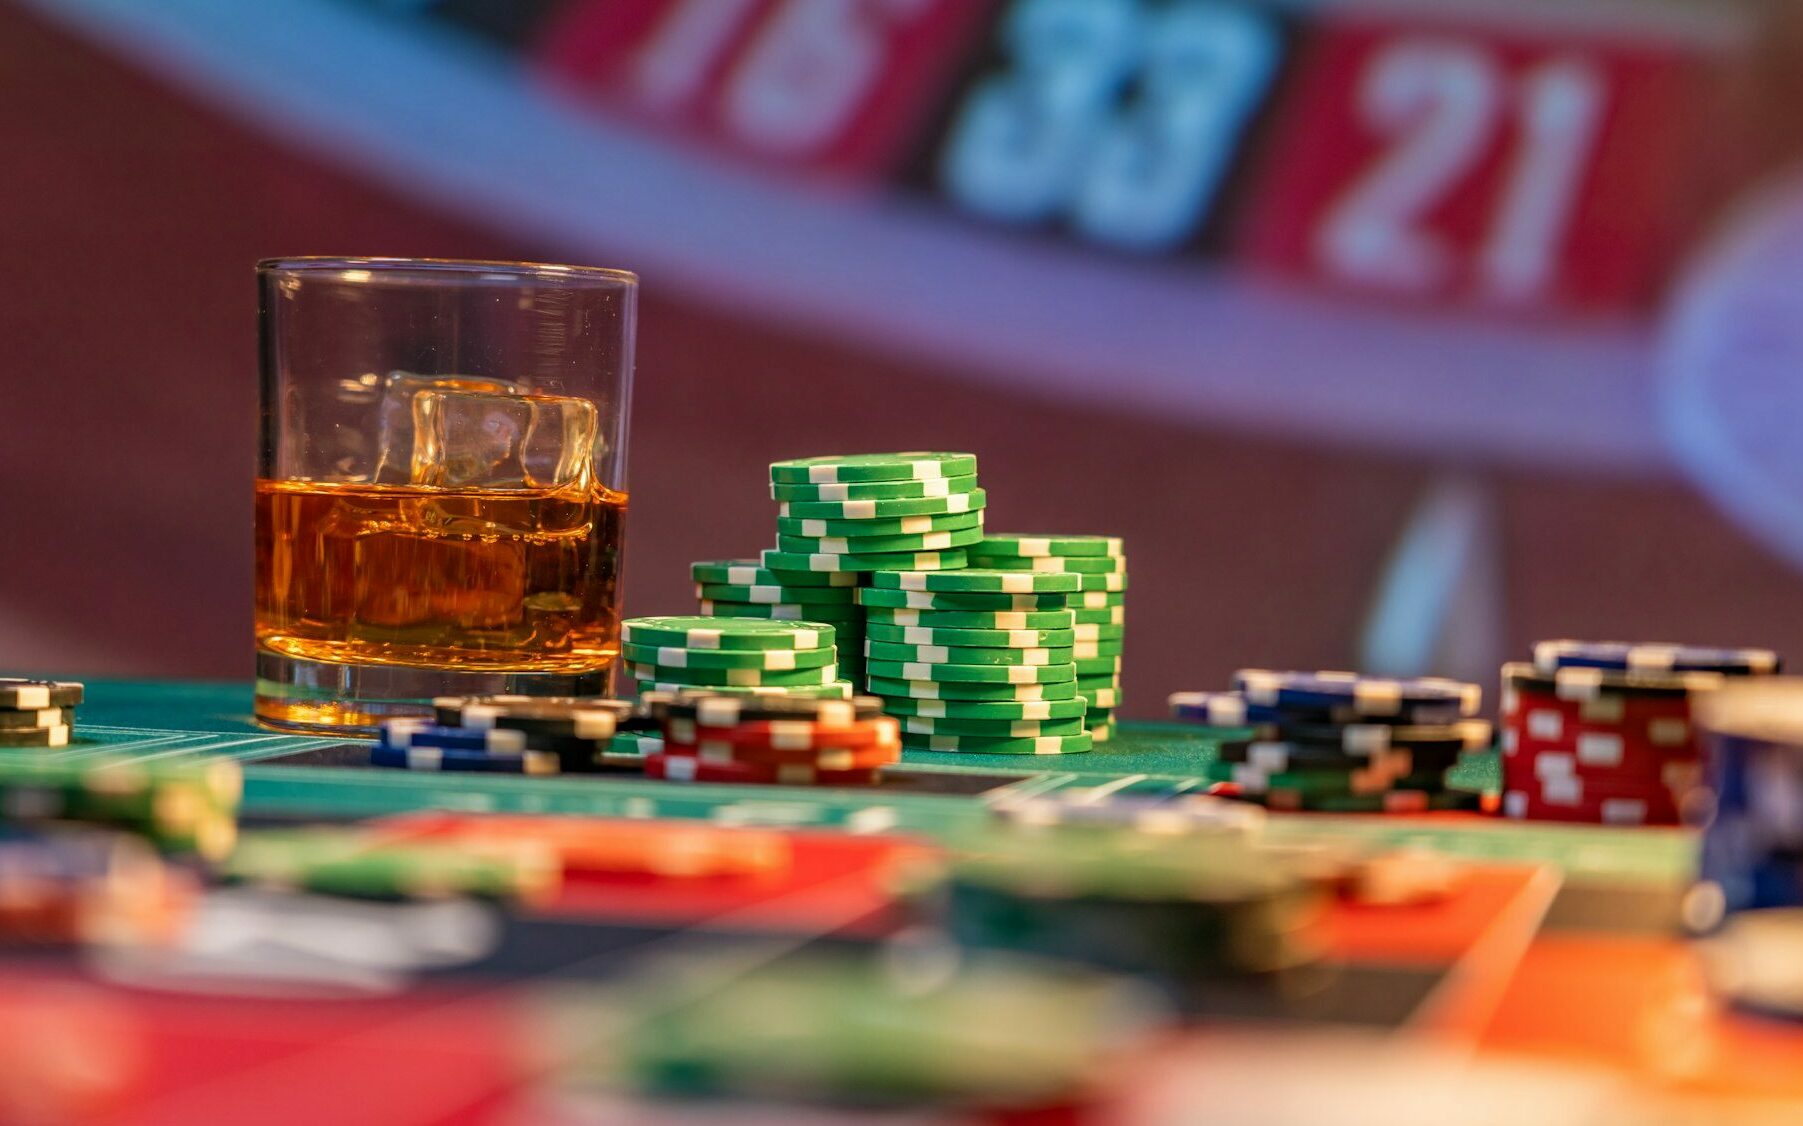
{"x": 733, "y": 655}
{"x": 842, "y": 517}
{"x": 1097, "y": 607}
{"x": 976, "y": 661}
{"x": 739, "y": 588}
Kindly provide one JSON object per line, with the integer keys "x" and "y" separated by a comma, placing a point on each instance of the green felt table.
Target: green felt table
{"x": 173, "y": 718}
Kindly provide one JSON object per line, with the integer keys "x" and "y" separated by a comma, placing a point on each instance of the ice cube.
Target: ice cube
{"x": 495, "y": 440}
{"x": 394, "y": 419}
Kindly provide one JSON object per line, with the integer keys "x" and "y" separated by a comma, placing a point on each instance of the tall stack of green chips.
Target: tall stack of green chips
{"x": 841, "y": 519}
{"x": 1097, "y": 607}
{"x": 738, "y": 656}
{"x": 976, "y": 661}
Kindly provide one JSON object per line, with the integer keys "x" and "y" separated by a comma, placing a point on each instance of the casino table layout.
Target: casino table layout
{"x": 1555, "y": 965}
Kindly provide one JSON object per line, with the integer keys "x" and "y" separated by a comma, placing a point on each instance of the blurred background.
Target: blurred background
{"x": 1389, "y": 334}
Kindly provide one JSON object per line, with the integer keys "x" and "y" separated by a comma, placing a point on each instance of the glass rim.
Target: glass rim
{"x": 550, "y": 272}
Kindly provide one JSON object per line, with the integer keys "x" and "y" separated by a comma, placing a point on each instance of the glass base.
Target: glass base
{"x": 317, "y": 697}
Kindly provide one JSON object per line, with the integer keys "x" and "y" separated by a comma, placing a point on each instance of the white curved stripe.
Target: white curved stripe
{"x": 430, "y": 114}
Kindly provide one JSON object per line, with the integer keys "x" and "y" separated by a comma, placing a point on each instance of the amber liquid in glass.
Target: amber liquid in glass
{"x": 464, "y": 579}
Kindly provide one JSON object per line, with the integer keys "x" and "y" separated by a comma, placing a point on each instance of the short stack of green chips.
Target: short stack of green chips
{"x": 741, "y": 588}
{"x": 745, "y": 656}
{"x": 1097, "y": 607}
{"x": 976, "y": 661}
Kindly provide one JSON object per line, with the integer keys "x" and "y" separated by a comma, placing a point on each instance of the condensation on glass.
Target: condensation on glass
{"x": 441, "y": 484}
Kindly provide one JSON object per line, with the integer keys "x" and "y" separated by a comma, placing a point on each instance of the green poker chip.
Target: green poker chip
{"x": 1083, "y": 565}
{"x": 949, "y": 655}
{"x": 697, "y": 632}
{"x": 978, "y": 581}
{"x": 1037, "y": 546}
{"x": 885, "y": 526}
{"x": 1082, "y": 650}
{"x": 1011, "y": 711}
{"x": 635, "y": 743}
{"x": 837, "y": 690}
{"x": 987, "y": 621}
{"x": 746, "y": 572}
{"x": 927, "y": 600}
{"x": 839, "y": 616}
{"x": 971, "y": 674}
{"x": 915, "y": 465}
{"x": 876, "y": 490}
{"x": 1097, "y": 666}
{"x": 793, "y": 595}
{"x": 972, "y": 638}
{"x": 1101, "y": 699}
{"x": 1106, "y": 616}
{"x": 1097, "y": 600}
{"x": 956, "y": 690}
{"x": 1091, "y": 632}
{"x": 734, "y": 678}
{"x": 955, "y": 504}
{"x": 920, "y": 561}
{"x": 1104, "y": 584}
{"x": 978, "y": 745}
{"x": 670, "y": 656}
{"x": 871, "y": 545}
{"x": 993, "y": 728}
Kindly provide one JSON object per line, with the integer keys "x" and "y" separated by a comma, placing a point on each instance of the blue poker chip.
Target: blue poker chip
{"x": 1220, "y": 709}
{"x": 1362, "y": 695}
{"x": 401, "y": 734}
{"x": 1232, "y": 709}
{"x": 442, "y": 759}
{"x": 1653, "y": 657}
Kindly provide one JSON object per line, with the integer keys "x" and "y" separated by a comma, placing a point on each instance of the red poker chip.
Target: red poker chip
{"x": 1622, "y": 809}
{"x": 826, "y": 758}
{"x": 1540, "y": 715}
{"x": 787, "y": 735}
{"x": 1676, "y": 775}
{"x": 684, "y": 768}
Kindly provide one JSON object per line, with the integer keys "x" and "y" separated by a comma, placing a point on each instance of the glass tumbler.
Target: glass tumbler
{"x": 441, "y": 484}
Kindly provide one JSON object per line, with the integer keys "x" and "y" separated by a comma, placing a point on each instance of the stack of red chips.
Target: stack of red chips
{"x": 1600, "y": 732}
{"x": 775, "y": 740}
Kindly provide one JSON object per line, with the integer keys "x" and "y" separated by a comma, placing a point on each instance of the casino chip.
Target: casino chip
{"x": 1551, "y": 656}
{"x": 714, "y": 633}
{"x": 745, "y": 572}
{"x": 445, "y": 759}
{"x": 912, "y": 466}
{"x": 1372, "y": 696}
{"x": 1049, "y": 547}
{"x": 27, "y": 695}
{"x": 875, "y": 490}
{"x": 920, "y": 561}
{"x": 962, "y": 602}
{"x": 960, "y": 655}
{"x": 961, "y": 690}
{"x": 976, "y": 581}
